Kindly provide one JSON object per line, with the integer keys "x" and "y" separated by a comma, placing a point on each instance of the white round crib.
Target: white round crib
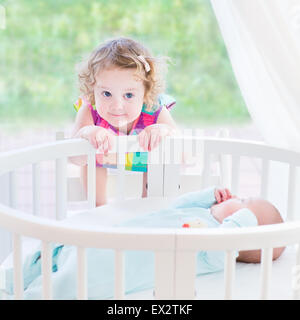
{"x": 174, "y": 249}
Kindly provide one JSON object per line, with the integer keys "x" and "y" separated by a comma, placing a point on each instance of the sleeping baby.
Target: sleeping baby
{"x": 211, "y": 208}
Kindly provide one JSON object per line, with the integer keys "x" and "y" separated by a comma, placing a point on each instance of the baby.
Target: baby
{"x": 216, "y": 208}
{"x": 121, "y": 85}
{"x": 264, "y": 211}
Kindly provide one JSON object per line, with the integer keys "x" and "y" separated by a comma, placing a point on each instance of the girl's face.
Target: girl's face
{"x": 119, "y": 96}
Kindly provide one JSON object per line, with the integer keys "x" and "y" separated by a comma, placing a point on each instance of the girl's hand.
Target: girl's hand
{"x": 99, "y": 137}
{"x": 150, "y": 137}
{"x": 222, "y": 195}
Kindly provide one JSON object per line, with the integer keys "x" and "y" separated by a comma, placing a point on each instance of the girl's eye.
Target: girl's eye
{"x": 128, "y": 95}
{"x": 106, "y": 93}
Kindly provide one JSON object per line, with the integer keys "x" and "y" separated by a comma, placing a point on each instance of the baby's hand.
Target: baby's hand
{"x": 99, "y": 137}
{"x": 222, "y": 195}
{"x": 151, "y": 136}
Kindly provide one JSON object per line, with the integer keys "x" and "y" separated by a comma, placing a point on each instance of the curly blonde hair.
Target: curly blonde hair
{"x": 123, "y": 53}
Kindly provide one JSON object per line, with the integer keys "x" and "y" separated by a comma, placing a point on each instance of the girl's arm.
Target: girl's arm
{"x": 100, "y": 138}
{"x": 166, "y": 118}
{"x": 83, "y": 119}
{"x": 150, "y": 137}
{"x": 83, "y": 122}
{"x": 101, "y": 182}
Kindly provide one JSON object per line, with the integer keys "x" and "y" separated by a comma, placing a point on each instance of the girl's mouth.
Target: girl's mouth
{"x": 117, "y": 115}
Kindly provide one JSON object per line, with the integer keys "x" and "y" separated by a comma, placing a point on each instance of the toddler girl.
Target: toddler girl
{"x": 121, "y": 87}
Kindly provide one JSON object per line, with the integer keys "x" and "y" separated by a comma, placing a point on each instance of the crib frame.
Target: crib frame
{"x": 175, "y": 249}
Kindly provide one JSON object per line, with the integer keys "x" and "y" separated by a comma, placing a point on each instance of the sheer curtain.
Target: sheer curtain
{"x": 263, "y": 42}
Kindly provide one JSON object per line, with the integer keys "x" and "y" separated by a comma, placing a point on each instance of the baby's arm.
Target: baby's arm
{"x": 204, "y": 199}
{"x": 241, "y": 218}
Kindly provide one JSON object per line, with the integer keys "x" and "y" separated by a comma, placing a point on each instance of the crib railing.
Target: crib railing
{"x": 175, "y": 250}
{"x": 60, "y": 151}
{"x": 236, "y": 149}
{"x": 118, "y": 239}
{"x": 172, "y": 280}
{"x": 262, "y": 237}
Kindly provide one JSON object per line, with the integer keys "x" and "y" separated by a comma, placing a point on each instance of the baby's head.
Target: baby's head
{"x": 265, "y": 213}
{"x": 120, "y": 75}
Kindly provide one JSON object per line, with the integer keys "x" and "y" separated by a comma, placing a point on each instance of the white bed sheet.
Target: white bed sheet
{"x": 210, "y": 286}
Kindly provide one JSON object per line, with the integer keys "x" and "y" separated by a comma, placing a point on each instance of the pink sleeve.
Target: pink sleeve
{"x": 93, "y": 112}
{"x": 170, "y": 105}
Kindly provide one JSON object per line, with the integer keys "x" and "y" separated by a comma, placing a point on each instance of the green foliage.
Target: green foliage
{"x": 43, "y": 41}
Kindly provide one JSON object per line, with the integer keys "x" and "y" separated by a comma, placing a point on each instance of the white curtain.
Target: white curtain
{"x": 263, "y": 42}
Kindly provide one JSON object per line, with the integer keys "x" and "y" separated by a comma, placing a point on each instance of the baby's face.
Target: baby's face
{"x": 119, "y": 96}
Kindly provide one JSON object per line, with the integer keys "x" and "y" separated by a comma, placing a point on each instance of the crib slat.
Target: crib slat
{"x": 266, "y": 269}
{"x": 156, "y": 172}
{"x": 46, "y": 270}
{"x": 225, "y": 168}
{"x": 81, "y": 274}
{"x": 91, "y": 183}
{"x": 121, "y": 161}
{"x": 171, "y": 180}
{"x": 61, "y": 188}
{"x": 229, "y": 272}
{"x": 36, "y": 188}
{"x": 164, "y": 275}
{"x": 206, "y": 169}
{"x": 235, "y": 174}
{"x": 119, "y": 274}
{"x": 264, "y": 178}
{"x": 185, "y": 275}
{"x": 189, "y": 145}
{"x": 12, "y": 189}
{"x": 121, "y": 183}
{"x": 291, "y": 193}
{"x": 18, "y": 273}
{"x": 296, "y": 275}
{"x": 173, "y": 155}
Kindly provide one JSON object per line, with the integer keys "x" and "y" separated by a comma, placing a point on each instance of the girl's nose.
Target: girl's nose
{"x": 117, "y": 105}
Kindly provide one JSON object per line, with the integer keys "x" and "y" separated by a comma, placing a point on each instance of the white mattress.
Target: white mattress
{"x": 210, "y": 286}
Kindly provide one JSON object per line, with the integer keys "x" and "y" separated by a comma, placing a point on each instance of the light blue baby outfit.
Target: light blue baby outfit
{"x": 139, "y": 265}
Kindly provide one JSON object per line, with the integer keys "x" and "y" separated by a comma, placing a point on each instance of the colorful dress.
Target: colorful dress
{"x": 135, "y": 161}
